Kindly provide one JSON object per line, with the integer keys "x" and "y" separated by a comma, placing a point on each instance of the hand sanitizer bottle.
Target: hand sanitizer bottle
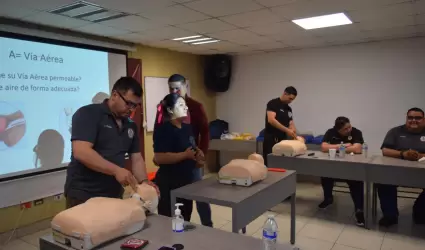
{"x": 178, "y": 221}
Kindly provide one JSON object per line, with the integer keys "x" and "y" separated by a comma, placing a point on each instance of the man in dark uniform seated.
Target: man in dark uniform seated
{"x": 279, "y": 121}
{"x": 404, "y": 142}
{"x": 353, "y": 140}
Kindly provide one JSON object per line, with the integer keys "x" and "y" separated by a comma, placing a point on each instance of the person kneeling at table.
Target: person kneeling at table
{"x": 176, "y": 153}
{"x": 404, "y": 142}
{"x": 353, "y": 140}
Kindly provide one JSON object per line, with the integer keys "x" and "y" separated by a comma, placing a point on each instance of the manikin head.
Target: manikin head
{"x": 343, "y": 126}
{"x": 175, "y": 106}
{"x": 415, "y": 120}
{"x": 126, "y": 95}
{"x": 289, "y": 95}
{"x": 148, "y": 197}
{"x": 177, "y": 84}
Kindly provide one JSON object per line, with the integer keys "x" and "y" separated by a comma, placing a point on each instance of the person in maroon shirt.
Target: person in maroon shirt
{"x": 199, "y": 121}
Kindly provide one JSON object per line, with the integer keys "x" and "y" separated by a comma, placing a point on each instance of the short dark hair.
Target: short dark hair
{"x": 340, "y": 122}
{"x": 127, "y": 83}
{"x": 291, "y": 91}
{"x": 416, "y": 110}
{"x": 177, "y": 78}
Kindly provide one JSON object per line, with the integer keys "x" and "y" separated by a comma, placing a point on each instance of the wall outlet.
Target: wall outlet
{"x": 38, "y": 202}
{"x": 58, "y": 197}
{"x": 26, "y": 205}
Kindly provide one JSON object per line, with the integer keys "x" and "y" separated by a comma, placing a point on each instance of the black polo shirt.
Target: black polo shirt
{"x": 96, "y": 124}
{"x": 333, "y": 137}
{"x": 399, "y": 138}
{"x": 283, "y": 116}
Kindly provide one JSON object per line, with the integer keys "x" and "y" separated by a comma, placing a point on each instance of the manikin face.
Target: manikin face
{"x": 179, "y": 110}
{"x": 178, "y": 88}
{"x": 415, "y": 120}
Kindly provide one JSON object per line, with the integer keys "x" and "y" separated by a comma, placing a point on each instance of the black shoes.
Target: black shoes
{"x": 326, "y": 203}
{"x": 360, "y": 218}
{"x": 388, "y": 221}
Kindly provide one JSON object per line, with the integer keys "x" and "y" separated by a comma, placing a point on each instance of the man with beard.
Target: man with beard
{"x": 101, "y": 136}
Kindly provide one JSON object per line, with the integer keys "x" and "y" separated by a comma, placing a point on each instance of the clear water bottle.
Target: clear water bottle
{"x": 342, "y": 150}
{"x": 364, "y": 149}
{"x": 270, "y": 233}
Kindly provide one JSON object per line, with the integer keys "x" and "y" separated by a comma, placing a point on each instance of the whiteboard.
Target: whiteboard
{"x": 156, "y": 88}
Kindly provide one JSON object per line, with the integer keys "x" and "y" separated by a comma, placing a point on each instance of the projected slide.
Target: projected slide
{"x": 41, "y": 87}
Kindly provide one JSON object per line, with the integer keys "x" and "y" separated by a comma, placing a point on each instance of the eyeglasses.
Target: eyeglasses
{"x": 416, "y": 118}
{"x": 129, "y": 104}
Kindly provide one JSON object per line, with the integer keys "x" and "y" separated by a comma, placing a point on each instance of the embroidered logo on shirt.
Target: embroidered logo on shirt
{"x": 422, "y": 138}
{"x": 290, "y": 114}
{"x": 350, "y": 138}
{"x": 107, "y": 126}
{"x": 130, "y": 133}
{"x": 282, "y": 110}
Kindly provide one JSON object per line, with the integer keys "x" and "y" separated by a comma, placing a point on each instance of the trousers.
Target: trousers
{"x": 356, "y": 190}
{"x": 204, "y": 209}
{"x": 388, "y": 199}
{"x": 269, "y": 141}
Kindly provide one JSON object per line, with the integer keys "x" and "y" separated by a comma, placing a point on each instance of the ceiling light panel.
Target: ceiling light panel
{"x": 323, "y": 21}
{"x": 196, "y": 39}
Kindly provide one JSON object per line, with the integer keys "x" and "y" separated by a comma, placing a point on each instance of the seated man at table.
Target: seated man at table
{"x": 404, "y": 142}
{"x": 353, "y": 140}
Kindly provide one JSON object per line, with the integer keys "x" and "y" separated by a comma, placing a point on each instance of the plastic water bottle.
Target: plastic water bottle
{"x": 364, "y": 149}
{"x": 342, "y": 150}
{"x": 178, "y": 221}
{"x": 270, "y": 233}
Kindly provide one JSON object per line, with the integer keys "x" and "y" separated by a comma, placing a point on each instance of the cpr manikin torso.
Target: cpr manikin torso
{"x": 100, "y": 219}
{"x": 243, "y": 172}
{"x": 290, "y": 147}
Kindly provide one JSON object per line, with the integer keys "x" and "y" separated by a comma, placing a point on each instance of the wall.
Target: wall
{"x": 155, "y": 62}
{"x": 373, "y": 84}
{"x": 164, "y": 63}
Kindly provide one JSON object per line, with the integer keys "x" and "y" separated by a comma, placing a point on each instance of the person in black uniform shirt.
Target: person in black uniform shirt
{"x": 101, "y": 136}
{"x": 404, "y": 142}
{"x": 279, "y": 121}
{"x": 176, "y": 153}
{"x": 353, "y": 140}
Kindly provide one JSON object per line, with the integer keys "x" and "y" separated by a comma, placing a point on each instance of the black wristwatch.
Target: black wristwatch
{"x": 401, "y": 154}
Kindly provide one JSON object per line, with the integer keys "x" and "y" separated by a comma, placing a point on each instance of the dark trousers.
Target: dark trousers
{"x": 388, "y": 198}
{"x": 72, "y": 202}
{"x": 268, "y": 143}
{"x": 165, "y": 185}
{"x": 356, "y": 190}
{"x": 204, "y": 209}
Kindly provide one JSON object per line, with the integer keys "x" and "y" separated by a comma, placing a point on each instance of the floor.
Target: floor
{"x": 331, "y": 229}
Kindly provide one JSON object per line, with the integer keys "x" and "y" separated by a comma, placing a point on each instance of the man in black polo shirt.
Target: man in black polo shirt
{"x": 352, "y": 138}
{"x": 279, "y": 122}
{"x": 404, "y": 142}
{"x": 101, "y": 136}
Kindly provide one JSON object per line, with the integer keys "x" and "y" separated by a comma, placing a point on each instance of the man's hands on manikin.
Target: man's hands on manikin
{"x": 291, "y": 133}
{"x": 125, "y": 178}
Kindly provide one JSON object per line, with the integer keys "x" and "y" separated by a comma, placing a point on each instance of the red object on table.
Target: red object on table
{"x": 3, "y": 124}
{"x": 276, "y": 170}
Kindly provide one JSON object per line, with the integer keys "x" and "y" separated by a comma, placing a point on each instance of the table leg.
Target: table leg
{"x": 244, "y": 230}
{"x": 217, "y": 160}
{"x": 367, "y": 205}
{"x": 293, "y": 218}
{"x": 374, "y": 201}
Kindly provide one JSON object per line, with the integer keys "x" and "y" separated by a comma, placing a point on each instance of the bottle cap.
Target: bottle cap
{"x": 178, "y": 211}
{"x": 270, "y": 216}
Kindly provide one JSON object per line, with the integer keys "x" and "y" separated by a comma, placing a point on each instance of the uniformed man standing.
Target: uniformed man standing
{"x": 404, "y": 142}
{"x": 101, "y": 136}
{"x": 279, "y": 122}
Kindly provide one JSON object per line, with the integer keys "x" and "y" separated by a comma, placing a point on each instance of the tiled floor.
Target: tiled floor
{"x": 332, "y": 229}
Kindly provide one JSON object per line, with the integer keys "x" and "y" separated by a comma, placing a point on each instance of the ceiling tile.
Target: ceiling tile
{"x": 240, "y": 36}
{"x": 268, "y": 46}
{"x": 342, "y": 30}
{"x": 133, "y": 6}
{"x": 277, "y": 28}
{"x": 305, "y": 8}
{"x": 166, "y": 44}
{"x": 36, "y": 5}
{"x": 350, "y": 5}
{"x": 389, "y": 11}
{"x": 195, "y": 50}
{"x": 184, "y": 1}
{"x": 55, "y": 20}
{"x": 419, "y": 6}
{"x": 303, "y": 41}
{"x": 420, "y": 19}
{"x": 165, "y": 33}
{"x": 207, "y": 26}
{"x": 131, "y": 37}
{"x": 217, "y": 8}
{"x": 15, "y": 12}
{"x": 172, "y": 15}
{"x": 223, "y": 45}
{"x": 101, "y": 30}
{"x": 252, "y": 18}
{"x": 274, "y": 3}
{"x": 383, "y": 23}
{"x": 395, "y": 32}
{"x": 132, "y": 23}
